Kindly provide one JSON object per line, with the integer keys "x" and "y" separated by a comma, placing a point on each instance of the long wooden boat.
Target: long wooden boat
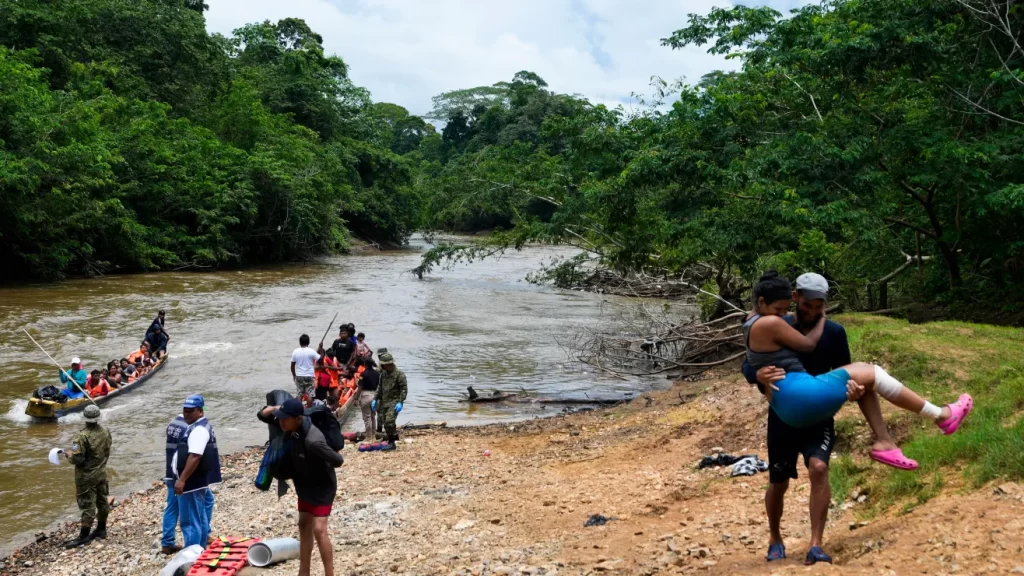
{"x": 50, "y": 410}
{"x": 346, "y": 404}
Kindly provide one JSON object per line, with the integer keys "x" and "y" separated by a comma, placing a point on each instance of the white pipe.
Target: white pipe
{"x": 273, "y": 551}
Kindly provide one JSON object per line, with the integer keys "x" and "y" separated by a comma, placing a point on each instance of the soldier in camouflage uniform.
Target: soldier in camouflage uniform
{"x": 89, "y": 453}
{"x": 391, "y": 394}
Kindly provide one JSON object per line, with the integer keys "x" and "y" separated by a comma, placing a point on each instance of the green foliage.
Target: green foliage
{"x": 855, "y": 135}
{"x": 939, "y": 361}
{"x": 130, "y": 139}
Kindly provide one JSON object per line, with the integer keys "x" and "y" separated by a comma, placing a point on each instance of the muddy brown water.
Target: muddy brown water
{"x": 232, "y": 334}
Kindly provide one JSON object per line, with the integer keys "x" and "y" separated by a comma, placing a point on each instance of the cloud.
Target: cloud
{"x": 406, "y": 51}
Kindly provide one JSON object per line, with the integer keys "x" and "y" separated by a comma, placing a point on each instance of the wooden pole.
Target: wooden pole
{"x": 59, "y": 367}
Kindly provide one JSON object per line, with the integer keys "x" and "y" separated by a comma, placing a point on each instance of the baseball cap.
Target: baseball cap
{"x": 290, "y": 409}
{"x": 812, "y": 286}
{"x": 194, "y": 401}
{"x": 92, "y": 413}
{"x": 76, "y": 360}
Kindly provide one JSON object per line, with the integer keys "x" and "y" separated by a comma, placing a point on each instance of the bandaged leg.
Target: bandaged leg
{"x": 890, "y": 389}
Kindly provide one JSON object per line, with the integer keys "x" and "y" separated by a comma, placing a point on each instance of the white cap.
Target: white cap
{"x": 76, "y": 360}
{"x": 812, "y": 286}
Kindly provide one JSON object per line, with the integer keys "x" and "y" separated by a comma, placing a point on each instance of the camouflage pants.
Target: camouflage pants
{"x": 389, "y": 418}
{"x": 92, "y": 501}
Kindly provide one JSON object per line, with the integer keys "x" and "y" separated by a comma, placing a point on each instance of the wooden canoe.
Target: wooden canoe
{"x": 50, "y": 410}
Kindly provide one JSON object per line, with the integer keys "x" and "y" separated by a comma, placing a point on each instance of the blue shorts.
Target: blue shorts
{"x": 803, "y": 400}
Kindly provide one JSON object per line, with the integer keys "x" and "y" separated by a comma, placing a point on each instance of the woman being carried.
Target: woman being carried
{"x": 802, "y": 400}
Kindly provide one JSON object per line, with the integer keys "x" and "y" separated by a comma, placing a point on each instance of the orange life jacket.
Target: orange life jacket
{"x": 97, "y": 389}
{"x": 136, "y": 355}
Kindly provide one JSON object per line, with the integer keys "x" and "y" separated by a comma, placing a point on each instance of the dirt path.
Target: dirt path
{"x": 514, "y": 499}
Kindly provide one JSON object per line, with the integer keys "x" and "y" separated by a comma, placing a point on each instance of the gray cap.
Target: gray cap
{"x": 92, "y": 413}
{"x": 812, "y": 286}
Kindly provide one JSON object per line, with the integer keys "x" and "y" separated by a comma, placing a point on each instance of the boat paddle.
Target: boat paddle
{"x": 328, "y": 329}
{"x": 59, "y": 367}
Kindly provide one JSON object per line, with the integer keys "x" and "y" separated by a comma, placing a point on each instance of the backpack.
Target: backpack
{"x": 324, "y": 419}
{"x": 51, "y": 393}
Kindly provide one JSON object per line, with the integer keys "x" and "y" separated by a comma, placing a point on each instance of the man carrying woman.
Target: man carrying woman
{"x": 802, "y": 365}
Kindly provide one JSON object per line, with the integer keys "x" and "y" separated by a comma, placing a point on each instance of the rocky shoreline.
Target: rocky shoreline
{"x": 514, "y": 499}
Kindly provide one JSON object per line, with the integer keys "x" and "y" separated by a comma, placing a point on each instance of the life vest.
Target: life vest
{"x": 175, "y": 430}
{"x": 97, "y": 389}
{"x": 332, "y": 371}
{"x": 208, "y": 471}
{"x": 136, "y": 355}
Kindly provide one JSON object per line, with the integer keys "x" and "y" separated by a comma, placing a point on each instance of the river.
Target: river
{"x": 232, "y": 334}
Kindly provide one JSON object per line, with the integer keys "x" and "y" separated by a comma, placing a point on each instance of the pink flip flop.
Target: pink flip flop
{"x": 959, "y": 411}
{"x": 894, "y": 458}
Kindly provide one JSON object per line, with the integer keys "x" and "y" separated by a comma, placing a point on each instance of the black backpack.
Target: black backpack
{"x": 320, "y": 416}
{"x": 324, "y": 419}
{"x": 51, "y": 393}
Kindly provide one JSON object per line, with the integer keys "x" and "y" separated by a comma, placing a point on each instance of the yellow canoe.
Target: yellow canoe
{"x": 50, "y": 410}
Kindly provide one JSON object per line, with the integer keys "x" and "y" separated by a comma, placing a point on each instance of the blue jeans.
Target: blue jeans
{"x": 170, "y": 515}
{"x": 195, "y": 511}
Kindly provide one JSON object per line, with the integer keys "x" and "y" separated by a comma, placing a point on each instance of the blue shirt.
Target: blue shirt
{"x": 833, "y": 351}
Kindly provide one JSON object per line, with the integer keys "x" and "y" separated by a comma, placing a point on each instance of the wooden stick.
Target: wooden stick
{"x": 60, "y": 368}
{"x": 328, "y": 328}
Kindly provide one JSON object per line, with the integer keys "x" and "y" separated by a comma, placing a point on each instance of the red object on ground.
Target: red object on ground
{"x": 225, "y": 557}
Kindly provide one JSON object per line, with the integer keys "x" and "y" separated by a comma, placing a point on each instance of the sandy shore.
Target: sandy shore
{"x": 513, "y": 499}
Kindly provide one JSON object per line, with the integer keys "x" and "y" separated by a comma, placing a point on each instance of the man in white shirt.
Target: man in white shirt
{"x": 303, "y": 360}
{"x": 196, "y": 467}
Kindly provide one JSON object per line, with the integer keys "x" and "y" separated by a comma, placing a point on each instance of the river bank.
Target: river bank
{"x": 513, "y": 498}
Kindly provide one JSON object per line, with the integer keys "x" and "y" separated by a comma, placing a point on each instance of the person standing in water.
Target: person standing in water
{"x": 368, "y": 384}
{"x": 90, "y": 451}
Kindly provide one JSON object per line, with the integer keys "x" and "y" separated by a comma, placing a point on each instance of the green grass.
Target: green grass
{"x": 939, "y": 361}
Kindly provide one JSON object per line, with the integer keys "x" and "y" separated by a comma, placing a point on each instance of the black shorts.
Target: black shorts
{"x": 786, "y": 443}
{"x": 321, "y": 393}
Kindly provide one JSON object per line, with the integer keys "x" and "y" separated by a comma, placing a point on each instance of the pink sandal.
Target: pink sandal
{"x": 958, "y": 413}
{"x": 894, "y": 458}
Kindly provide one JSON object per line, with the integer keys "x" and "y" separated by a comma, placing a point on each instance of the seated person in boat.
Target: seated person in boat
{"x": 97, "y": 385}
{"x": 128, "y": 371}
{"x": 362, "y": 348}
{"x": 142, "y": 352}
{"x": 113, "y": 374}
{"x": 78, "y": 375}
{"x": 157, "y": 340}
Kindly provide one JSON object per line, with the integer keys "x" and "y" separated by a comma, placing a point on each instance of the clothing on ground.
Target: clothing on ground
{"x": 748, "y": 466}
{"x": 305, "y": 359}
{"x": 720, "y": 459}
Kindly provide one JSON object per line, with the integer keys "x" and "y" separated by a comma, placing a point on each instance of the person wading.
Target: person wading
{"x": 312, "y": 464}
{"x": 90, "y": 451}
{"x": 196, "y": 465}
{"x": 390, "y": 396}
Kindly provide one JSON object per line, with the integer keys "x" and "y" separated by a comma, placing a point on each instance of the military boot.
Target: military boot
{"x": 82, "y": 540}
{"x": 99, "y": 532}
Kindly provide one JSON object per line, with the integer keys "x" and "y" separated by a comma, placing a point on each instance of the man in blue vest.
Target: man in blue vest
{"x": 196, "y": 465}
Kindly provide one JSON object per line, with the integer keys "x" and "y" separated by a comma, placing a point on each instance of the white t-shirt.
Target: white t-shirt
{"x": 197, "y": 440}
{"x": 304, "y": 359}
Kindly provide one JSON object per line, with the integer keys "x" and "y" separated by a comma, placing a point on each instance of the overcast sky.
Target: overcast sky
{"x": 406, "y": 51}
